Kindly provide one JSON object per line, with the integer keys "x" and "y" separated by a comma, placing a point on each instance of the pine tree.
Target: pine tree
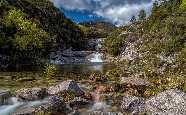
{"x": 142, "y": 14}
{"x": 133, "y": 19}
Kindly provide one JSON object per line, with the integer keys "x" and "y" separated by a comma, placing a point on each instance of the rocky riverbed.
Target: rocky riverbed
{"x": 71, "y": 98}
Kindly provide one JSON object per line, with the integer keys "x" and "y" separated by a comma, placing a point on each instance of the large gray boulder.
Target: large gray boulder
{"x": 31, "y": 94}
{"x": 68, "y": 85}
{"x": 170, "y": 102}
{"x": 4, "y": 96}
{"x": 132, "y": 104}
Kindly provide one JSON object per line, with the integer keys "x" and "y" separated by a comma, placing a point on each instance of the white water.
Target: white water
{"x": 14, "y": 104}
{"x": 96, "y": 58}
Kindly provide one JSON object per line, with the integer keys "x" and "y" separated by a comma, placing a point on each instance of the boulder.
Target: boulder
{"x": 4, "y": 96}
{"x": 170, "y": 102}
{"x": 68, "y": 85}
{"x": 132, "y": 104}
{"x": 31, "y": 94}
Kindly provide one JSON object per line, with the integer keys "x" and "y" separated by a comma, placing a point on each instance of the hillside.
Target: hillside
{"x": 29, "y": 29}
{"x": 153, "y": 48}
{"x": 96, "y": 29}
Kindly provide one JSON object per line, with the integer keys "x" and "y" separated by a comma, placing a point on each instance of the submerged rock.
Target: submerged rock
{"x": 68, "y": 85}
{"x": 170, "y": 102}
{"x": 4, "y": 96}
{"x": 132, "y": 104}
{"x": 31, "y": 94}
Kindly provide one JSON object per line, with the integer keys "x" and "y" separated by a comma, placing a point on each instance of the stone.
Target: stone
{"x": 31, "y": 94}
{"x": 135, "y": 81}
{"x": 101, "y": 113}
{"x": 68, "y": 85}
{"x": 132, "y": 104}
{"x": 170, "y": 102}
{"x": 79, "y": 102}
{"x": 54, "y": 104}
{"x": 4, "y": 96}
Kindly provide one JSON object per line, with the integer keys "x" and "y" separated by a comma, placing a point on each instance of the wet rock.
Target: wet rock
{"x": 79, "y": 102}
{"x": 132, "y": 104}
{"x": 54, "y": 105}
{"x": 102, "y": 113}
{"x": 68, "y": 85}
{"x": 24, "y": 111}
{"x": 31, "y": 94}
{"x": 168, "y": 102}
{"x": 4, "y": 96}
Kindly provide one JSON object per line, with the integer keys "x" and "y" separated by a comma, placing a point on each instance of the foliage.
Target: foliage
{"x": 28, "y": 34}
{"x": 30, "y": 29}
{"x": 160, "y": 42}
{"x": 142, "y": 15}
{"x": 50, "y": 71}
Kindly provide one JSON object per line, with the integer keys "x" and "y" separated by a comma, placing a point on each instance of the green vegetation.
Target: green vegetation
{"x": 50, "y": 71}
{"x": 30, "y": 29}
{"x": 160, "y": 40}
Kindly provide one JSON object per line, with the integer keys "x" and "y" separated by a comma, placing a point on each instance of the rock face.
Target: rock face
{"x": 134, "y": 105}
{"x": 31, "y": 94}
{"x": 68, "y": 85}
{"x": 170, "y": 102}
{"x": 4, "y": 95}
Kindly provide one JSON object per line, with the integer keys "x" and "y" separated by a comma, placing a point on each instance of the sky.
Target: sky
{"x": 118, "y": 12}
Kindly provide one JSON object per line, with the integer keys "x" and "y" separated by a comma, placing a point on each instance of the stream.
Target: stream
{"x": 80, "y": 62}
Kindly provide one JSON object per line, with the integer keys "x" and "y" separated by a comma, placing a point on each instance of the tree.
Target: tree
{"x": 142, "y": 14}
{"x": 133, "y": 19}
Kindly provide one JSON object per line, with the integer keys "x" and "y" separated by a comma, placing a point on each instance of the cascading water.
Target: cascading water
{"x": 96, "y": 58}
{"x": 13, "y": 104}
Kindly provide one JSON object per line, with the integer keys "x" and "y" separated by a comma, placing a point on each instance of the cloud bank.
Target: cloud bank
{"x": 116, "y": 11}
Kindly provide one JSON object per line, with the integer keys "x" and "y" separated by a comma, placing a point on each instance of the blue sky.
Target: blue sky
{"x": 116, "y": 11}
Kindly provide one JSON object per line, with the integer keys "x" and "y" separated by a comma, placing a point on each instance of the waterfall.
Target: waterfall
{"x": 96, "y": 57}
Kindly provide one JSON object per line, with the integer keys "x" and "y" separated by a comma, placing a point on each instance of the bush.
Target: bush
{"x": 50, "y": 71}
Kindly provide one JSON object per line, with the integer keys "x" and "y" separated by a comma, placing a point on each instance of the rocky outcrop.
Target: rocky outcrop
{"x": 4, "y": 96}
{"x": 68, "y": 85}
{"x": 31, "y": 94}
{"x": 170, "y": 102}
{"x": 132, "y": 104}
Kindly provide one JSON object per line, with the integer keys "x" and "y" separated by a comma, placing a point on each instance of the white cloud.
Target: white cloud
{"x": 117, "y": 11}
